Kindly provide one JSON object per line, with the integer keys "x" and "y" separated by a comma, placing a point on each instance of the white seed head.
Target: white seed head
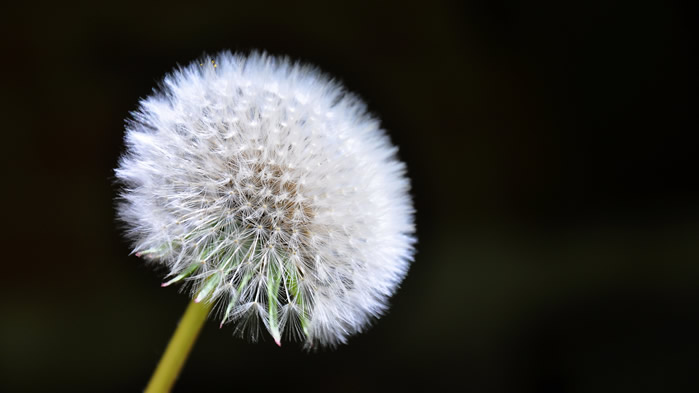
{"x": 268, "y": 189}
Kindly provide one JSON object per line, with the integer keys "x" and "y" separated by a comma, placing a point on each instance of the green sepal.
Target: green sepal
{"x": 294, "y": 290}
{"x": 208, "y": 286}
{"x": 234, "y": 299}
{"x": 274, "y": 279}
{"x": 186, "y": 273}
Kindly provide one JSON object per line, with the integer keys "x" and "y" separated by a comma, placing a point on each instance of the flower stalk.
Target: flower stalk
{"x": 179, "y": 347}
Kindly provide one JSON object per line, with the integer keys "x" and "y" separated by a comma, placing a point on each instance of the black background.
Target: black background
{"x": 554, "y": 174}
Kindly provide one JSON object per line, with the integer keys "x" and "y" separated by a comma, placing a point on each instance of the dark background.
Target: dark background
{"x": 553, "y": 170}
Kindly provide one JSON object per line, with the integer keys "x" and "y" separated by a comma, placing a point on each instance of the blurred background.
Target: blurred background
{"x": 553, "y": 171}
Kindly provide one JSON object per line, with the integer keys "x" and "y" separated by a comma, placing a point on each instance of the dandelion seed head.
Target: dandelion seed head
{"x": 265, "y": 187}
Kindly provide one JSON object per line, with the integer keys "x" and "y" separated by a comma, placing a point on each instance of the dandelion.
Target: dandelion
{"x": 267, "y": 190}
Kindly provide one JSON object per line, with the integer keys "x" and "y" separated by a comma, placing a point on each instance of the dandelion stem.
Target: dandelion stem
{"x": 179, "y": 347}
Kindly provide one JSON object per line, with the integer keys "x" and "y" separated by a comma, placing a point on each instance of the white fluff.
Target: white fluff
{"x": 268, "y": 189}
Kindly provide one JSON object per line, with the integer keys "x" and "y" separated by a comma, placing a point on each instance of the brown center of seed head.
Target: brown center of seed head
{"x": 275, "y": 199}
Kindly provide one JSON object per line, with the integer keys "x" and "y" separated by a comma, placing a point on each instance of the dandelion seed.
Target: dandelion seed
{"x": 267, "y": 189}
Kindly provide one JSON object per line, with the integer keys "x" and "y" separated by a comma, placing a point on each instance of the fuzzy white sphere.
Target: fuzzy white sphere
{"x": 268, "y": 189}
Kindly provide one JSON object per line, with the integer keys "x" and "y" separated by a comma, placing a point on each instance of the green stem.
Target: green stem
{"x": 179, "y": 347}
